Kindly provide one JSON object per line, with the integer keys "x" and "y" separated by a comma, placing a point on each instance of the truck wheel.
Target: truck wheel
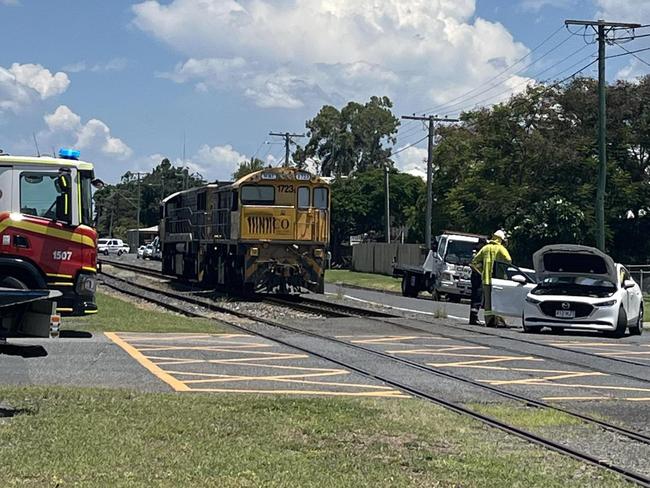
{"x": 454, "y": 298}
{"x": 406, "y": 286}
{"x": 11, "y": 282}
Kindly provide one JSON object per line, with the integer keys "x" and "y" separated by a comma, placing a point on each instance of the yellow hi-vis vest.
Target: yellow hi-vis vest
{"x": 484, "y": 260}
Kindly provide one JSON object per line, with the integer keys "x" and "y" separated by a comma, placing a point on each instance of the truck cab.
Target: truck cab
{"x": 445, "y": 271}
{"x": 47, "y": 239}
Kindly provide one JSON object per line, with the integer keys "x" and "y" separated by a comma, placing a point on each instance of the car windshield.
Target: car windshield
{"x": 460, "y": 252}
{"x": 576, "y": 286}
{"x": 102, "y": 241}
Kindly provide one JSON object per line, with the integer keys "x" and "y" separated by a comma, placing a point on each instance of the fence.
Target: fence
{"x": 377, "y": 257}
{"x": 641, "y": 274}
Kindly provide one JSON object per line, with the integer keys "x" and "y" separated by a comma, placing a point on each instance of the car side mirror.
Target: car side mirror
{"x": 521, "y": 279}
{"x": 629, "y": 284}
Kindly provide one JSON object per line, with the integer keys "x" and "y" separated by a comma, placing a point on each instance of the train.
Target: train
{"x": 268, "y": 231}
{"x": 47, "y": 235}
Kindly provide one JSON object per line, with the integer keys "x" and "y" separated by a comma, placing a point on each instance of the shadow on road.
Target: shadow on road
{"x": 75, "y": 334}
{"x": 25, "y": 351}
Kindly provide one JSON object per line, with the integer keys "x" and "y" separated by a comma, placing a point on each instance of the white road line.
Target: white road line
{"x": 461, "y": 319}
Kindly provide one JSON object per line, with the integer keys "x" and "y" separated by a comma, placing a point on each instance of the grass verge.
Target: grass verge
{"x": 367, "y": 280}
{"x": 118, "y": 315}
{"x": 92, "y": 437}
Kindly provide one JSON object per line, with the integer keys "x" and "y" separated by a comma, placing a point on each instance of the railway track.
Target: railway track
{"x": 161, "y": 297}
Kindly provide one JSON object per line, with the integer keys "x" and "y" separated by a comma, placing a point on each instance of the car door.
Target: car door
{"x": 631, "y": 296}
{"x": 508, "y": 295}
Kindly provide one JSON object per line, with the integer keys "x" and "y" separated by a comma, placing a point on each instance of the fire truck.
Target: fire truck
{"x": 47, "y": 239}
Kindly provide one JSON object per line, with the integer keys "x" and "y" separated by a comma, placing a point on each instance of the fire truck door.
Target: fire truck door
{"x": 6, "y": 188}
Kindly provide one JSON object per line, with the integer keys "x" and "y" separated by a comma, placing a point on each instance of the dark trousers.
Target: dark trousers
{"x": 477, "y": 291}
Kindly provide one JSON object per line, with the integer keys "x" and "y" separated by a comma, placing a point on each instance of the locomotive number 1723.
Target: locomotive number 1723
{"x": 285, "y": 188}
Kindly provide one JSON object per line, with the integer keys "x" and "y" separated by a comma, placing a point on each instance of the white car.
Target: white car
{"x": 112, "y": 246}
{"x": 576, "y": 287}
{"x": 140, "y": 253}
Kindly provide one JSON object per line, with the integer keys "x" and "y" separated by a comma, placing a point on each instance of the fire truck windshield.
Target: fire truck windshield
{"x": 38, "y": 194}
{"x": 86, "y": 211}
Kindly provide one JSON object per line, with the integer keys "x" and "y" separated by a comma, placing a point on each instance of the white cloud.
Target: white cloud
{"x": 624, "y": 10}
{"x": 115, "y": 64}
{"x": 632, "y": 71}
{"x": 537, "y": 5}
{"x": 289, "y": 53}
{"x": 23, "y": 84}
{"x": 412, "y": 160}
{"x": 64, "y": 124}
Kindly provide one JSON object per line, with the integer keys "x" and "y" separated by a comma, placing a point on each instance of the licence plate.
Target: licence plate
{"x": 565, "y": 314}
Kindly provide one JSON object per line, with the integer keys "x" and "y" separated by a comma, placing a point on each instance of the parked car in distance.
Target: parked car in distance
{"x": 148, "y": 251}
{"x": 576, "y": 287}
{"x": 140, "y": 253}
{"x": 108, "y": 246}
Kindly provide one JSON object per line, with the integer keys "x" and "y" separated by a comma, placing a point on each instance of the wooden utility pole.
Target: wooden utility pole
{"x": 431, "y": 119}
{"x": 602, "y": 29}
{"x": 287, "y": 143}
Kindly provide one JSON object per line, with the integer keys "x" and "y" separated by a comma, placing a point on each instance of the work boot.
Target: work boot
{"x": 473, "y": 319}
{"x": 500, "y": 322}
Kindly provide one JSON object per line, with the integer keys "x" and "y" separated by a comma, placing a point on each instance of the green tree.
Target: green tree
{"x": 116, "y": 205}
{"x": 351, "y": 139}
{"x": 248, "y": 167}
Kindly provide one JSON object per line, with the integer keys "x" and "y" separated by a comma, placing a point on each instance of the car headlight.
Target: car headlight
{"x": 533, "y": 300}
{"x": 608, "y": 303}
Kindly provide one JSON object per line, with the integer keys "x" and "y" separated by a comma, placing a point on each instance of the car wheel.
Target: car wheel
{"x": 105, "y": 252}
{"x": 621, "y": 324}
{"x": 529, "y": 329}
{"x": 119, "y": 253}
{"x": 638, "y": 327}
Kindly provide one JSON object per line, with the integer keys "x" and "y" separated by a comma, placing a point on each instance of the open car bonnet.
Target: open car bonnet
{"x": 573, "y": 260}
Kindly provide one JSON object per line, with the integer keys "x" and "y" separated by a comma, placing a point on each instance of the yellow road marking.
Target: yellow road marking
{"x": 374, "y": 394}
{"x": 288, "y": 379}
{"x": 579, "y": 398}
{"x": 382, "y": 340}
{"x": 150, "y": 366}
{"x": 434, "y": 352}
{"x": 528, "y": 370}
{"x": 136, "y": 337}
{"x": 626, "y": 353}
{"x": 216, "y": 348}
{"x": 589, "y": 344}
{"x": 545, "y": 378}
{"x": 490, "y": 359}
{"x": 592, "y": 387}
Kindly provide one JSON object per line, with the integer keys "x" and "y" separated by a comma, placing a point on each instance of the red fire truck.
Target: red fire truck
{"x": 47, "y": 238}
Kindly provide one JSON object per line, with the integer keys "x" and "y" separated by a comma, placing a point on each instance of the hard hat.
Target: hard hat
{"x": 500, "y": 234}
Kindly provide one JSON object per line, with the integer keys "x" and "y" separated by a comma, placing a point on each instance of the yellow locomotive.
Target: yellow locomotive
{"x": 268, "y": 231}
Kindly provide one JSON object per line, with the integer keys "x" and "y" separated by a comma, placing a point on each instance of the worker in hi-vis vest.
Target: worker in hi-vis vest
{"x": 483, "y": 262}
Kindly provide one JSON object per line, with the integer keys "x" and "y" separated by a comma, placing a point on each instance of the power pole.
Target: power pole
{"x": 602, "y": 29}
{"x": 138, "y": 210}
{"x": 431, "y": 119}
{"x": 287, "y": 143}
{"x": 387, "y": 186}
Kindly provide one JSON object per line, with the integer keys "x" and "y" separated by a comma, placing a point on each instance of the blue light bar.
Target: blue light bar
{"x": 69, "y": 154}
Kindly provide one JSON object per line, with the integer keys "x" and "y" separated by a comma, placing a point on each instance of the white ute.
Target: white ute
{"x": 576, "y": 287}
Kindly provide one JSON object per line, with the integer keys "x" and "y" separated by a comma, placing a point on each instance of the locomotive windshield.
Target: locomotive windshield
{"x": 257, "y": 195}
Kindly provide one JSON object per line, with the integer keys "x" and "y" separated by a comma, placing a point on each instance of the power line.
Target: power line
{"x": 408, "y": 146}
{"x": 287, "y": 143}
{"x": 525, "y": 82}
{"x": 626, "y": 53}
{"x": 505, "y": 70}
{"x": 633, "y": 54}
{"x": 448, "y": 106}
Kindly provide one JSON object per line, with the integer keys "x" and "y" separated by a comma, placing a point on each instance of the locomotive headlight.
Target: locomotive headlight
{"x": 318, "y": 253}
{"x": 255, "y": 251}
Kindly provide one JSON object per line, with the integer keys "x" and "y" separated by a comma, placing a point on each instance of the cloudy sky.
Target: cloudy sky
{"x": 128, "y": 82}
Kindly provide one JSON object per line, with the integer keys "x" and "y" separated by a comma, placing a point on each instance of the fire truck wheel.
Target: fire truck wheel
{"x": 11, "y": 282}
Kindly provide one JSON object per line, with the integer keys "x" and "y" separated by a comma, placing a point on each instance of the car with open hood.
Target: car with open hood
{"x": 574, "y": 287}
